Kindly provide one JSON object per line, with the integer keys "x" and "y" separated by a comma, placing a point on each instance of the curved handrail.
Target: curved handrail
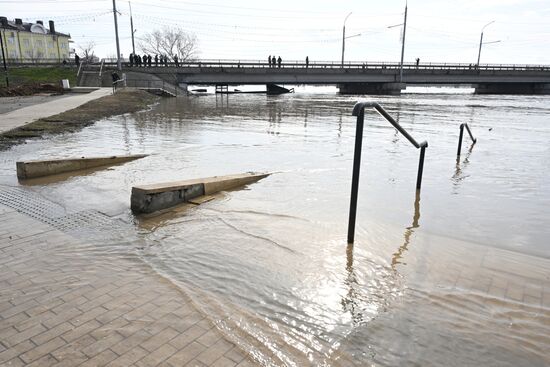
{"x": 360, "y": 106}
{"x": 474, "y": 140}
{"x": 359, "y": 111}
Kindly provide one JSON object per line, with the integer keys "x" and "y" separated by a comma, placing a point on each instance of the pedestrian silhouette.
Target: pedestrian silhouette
{"x": 77, "y": 60}
{"x": 176, "y": 60}
{"x": 115, "y": 76}
{"x": 273, "y": 61}
{"x": 131, "y": 59}
{"x": 307, "y": 62}
{"x": 417, "y": 61}
{"x": 156, "y": 60}
{"x": 269, "y": 60}
{"x": 149, "y": 59}
{"x": 279, "y": 60}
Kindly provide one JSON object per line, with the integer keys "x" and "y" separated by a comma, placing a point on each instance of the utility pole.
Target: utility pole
{"x": 481, "y": 41}
{"x": 344, "y": 38}
{"x": 119, "y": 65}
{"x": 4, "y": 58}
{"x": 403, "y": 45}
{"x": 132, "y": 26}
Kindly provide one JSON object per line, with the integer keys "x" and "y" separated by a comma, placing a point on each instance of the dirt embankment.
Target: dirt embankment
{"x": 123, "y": 102}
{"x": 31, "y": 89}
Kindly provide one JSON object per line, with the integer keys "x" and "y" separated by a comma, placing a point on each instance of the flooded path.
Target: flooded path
{"x": 458, "y": 275}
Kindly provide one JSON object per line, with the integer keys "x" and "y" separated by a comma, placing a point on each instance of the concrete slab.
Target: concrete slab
{"x": 25, "y": 115}
{"x": 41, "y": 168}
{"x": 150, "y": 198}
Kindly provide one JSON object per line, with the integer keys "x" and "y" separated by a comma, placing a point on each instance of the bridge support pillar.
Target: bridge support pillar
{"x": 512, "y": 88}
{"x": 372, "y": 88}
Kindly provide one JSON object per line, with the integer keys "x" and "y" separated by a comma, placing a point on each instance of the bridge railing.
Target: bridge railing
{"x": 359, "y": 111}
{"x": 152, "y": 84}
{"x": 357, "y": 65}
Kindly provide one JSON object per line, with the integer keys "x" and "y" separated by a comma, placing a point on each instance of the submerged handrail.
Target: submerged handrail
{"x": 474, "y": 140}
{"x": 359, "y": 111}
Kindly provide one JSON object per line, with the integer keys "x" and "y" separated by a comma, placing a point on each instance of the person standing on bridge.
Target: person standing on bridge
{"x": 417, "y": 62}
{"x": 150, "y": 60}
{"x": 176, "y": 61}
{"x": 307, "y": 62}
{"x": 279, "y": 61}
{"x": 269, "y": 60}
{"x": 273, "y": 61}
{"x": 131, "y": 59}
{"x": 156, "y": 60}
{"x": 77, "y": 60}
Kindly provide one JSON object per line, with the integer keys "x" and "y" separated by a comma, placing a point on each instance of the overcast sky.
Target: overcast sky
{"x": 437, "y": 30}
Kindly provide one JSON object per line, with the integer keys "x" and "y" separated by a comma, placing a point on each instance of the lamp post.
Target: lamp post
{"x": 132, "y": 28}
{"x": 404, "y": 24}
{"x": 481, "y": 41}
{"x": 4, "y": 58}
{"x": 344, "y": 37}
{"x": 118, "y": 63}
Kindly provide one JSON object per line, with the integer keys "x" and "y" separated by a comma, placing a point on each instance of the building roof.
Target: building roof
{"x": 30, "y": 27}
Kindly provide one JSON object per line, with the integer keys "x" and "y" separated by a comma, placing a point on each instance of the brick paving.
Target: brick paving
{"x": 62, "y": 306}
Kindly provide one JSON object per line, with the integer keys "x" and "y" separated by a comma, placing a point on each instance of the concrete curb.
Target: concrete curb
{"x": 151, "y": 198}
{"x": 33, "y": 169}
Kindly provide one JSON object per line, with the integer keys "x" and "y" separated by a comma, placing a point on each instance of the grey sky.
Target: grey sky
{"x": 437, "y": 30}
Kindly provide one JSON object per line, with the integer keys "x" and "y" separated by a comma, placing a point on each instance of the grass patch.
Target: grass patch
{"x": 32, "y": 75}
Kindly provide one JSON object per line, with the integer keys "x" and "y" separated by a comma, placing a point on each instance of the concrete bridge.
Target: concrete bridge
{"x": 352, "y": 77}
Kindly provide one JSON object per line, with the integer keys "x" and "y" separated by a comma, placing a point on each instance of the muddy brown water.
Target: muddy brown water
{"x": 458, "y": 275}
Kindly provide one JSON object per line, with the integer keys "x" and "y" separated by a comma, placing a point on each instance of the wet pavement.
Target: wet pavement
{"x": 21, "y": 116}
{"x": 61, "y": 306}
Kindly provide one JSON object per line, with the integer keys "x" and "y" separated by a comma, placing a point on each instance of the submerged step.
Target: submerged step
{"x": 40, "y": 168}
{"x": 150, "y": 198}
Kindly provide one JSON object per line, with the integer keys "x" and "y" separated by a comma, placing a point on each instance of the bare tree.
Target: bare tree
{"x": 87, "y": 50}
{"x": 170, "y": 41}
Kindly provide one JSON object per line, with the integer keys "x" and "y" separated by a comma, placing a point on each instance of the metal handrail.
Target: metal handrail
{"x": 359, "y": 65}
{"x": 115, "y": 84}
{"x": 474, "y": 140}
{"x": 359, "y": 111}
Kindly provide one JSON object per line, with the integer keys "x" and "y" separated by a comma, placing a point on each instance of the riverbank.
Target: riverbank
{"x": 125, "y": 101}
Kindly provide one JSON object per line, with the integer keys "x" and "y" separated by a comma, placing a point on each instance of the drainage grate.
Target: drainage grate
{"x": 37, "y": 207}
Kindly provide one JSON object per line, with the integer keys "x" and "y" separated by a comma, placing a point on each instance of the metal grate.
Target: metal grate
{"x": 37, "y": 207}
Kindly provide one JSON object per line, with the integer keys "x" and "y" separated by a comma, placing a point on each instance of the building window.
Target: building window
{"x": 51, "y": 44}
{"x": 63, "y": 46}
{"x": 39, "y": 43}
{"x": 26, "y": 42}
{"x": 11, "y": 41}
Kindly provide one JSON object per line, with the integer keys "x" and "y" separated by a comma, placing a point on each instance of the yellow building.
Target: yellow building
{"x": 32, "y": 42}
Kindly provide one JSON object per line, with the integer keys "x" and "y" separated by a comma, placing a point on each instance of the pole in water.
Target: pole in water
{"x": 355, "y": 177}
{"x": 420, "y": 167}
{"x": 460, "y": 140}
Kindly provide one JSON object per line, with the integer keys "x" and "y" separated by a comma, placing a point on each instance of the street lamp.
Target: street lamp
{"x": 481, "y": 41}
{"x": 404, "y": 24}
{"x": 4, "y": 57}
{"x": 344, "y": 37}
{"x": 132, "y": 28}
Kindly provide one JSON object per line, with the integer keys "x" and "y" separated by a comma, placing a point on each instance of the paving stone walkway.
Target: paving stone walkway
{"x": 61, "y": 306}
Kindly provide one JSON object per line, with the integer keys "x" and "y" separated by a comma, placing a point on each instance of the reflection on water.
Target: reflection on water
{"x": 269, "y": 263}
{"x": 397, "y": 256}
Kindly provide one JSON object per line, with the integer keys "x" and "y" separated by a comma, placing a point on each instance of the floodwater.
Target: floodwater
{"x": 456, "y": 275}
